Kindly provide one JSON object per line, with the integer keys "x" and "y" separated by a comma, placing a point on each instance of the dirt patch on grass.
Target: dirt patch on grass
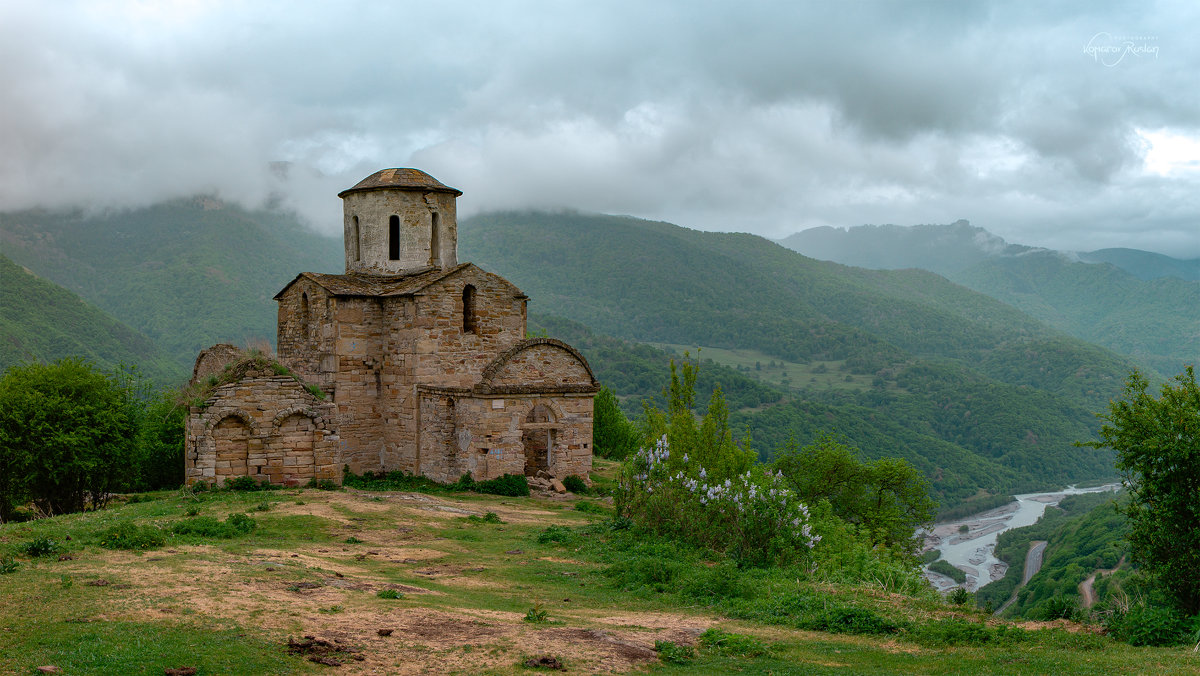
{"x": 656, "y": 621}
{"x": 422, "y": 640}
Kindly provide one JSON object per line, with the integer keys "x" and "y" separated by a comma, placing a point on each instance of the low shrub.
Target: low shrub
{"x": 40, "y": 546}
{"x": 655, "y": 573}
{"x": 130, "y": 536}
{"x": 673, "y": 653}
{"x": 955, "y": 632}
{"x": 803, "y": 610}
{"x": 536, "y": 614}
{"x": 391, "y": 481}
{"x": 959, "y": 596}
{"x": 207, "y": 526}
{"x": 590, "y": 507}
{"x": 246, "y": 483}
{"x": 723, "y": 581}
{"x": 511, "y": 485}
{"x": 1143, "y": 624}
{"x": 842, "y": 619}
{"x": 489, "y": 517}
{"x": 323, "y": 484}
{"x": 576, "y": 485}
{"x": 733, "y": 645}
{"x": 389, "y": 594}
{"x": 8, "y": 565}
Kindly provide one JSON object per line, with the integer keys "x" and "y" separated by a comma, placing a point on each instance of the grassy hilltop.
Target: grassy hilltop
{"x": 468, "y": 584}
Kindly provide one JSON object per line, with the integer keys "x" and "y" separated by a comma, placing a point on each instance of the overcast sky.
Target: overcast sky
{"x": 1069, "y": 126}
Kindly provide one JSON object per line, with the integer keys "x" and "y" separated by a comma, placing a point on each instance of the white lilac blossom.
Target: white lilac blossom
{"x": 772, "y": 505}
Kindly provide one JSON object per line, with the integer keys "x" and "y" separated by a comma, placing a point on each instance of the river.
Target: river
{"x": 973, "y": 552}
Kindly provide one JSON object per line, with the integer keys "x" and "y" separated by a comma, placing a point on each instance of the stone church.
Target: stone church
{"x": 409, "y": 361}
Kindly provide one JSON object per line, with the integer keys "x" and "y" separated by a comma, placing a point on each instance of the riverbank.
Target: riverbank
{"x": 973, "y": 551}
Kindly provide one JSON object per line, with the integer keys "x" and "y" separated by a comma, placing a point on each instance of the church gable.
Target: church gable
{"x": 539, "y": 364}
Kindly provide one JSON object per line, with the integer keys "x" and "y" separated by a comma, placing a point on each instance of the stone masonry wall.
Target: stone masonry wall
{"x": 263, "y": 426}
{"x": 449, "y": 356}
{"x": 305, "y": 338}
{"x": 485, "y": 436}
{"x": 541, "y": 363}
{"x": 415, "y": 211}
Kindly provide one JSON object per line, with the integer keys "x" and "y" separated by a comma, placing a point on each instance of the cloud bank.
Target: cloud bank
{"x": 1072, "y": 127}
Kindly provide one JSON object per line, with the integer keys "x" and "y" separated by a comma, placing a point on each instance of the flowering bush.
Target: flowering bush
{"x": 752, "y": 516}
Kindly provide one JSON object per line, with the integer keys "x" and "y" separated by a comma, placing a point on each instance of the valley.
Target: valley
{"x": 983, "y": 399}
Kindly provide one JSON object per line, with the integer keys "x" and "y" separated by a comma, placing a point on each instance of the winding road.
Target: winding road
{"x": 1033, "y": 563}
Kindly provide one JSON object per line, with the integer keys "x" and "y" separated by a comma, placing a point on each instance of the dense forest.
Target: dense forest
{"x": 41, "y": 321}
{"x": 1133, "y": 302}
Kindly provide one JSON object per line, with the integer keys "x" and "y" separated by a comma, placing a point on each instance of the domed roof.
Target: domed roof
{"x": 401, "y": 179}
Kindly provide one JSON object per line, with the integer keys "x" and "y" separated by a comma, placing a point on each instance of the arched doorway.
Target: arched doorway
{"x": 537, "y": 438}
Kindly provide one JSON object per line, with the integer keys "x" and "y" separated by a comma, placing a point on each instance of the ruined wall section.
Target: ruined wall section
{"x": 212, "y": 361}
{"x": 369, "y": 213}
{"x": 264, "y": 426}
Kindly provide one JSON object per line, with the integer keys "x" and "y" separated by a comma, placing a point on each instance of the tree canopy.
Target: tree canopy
{"x": 1157, "y": 440}
{"x": 68, "y": 436}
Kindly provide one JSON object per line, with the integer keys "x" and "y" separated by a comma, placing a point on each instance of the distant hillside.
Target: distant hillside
{"x": 187, "y": 273}
{"x": 943, "y": 249}
{"x": 1154, "y": 321}
{"x": 42, "y": 321}
{"x": 1136, "y": 303}
{"x": 948, "y": 249}
{"x": 1144, "y": 264}
{"x": 973, "y": 391}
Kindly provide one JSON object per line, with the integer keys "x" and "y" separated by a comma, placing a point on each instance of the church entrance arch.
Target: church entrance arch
{"x": 538, "y": 431}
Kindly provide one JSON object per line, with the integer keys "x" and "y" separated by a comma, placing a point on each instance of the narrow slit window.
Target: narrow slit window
{"x": 468, "y": 300}
{"x": 394, "y": 238}
{"x": 304, "y": 316}
{"x": 356, "y": 242}
{"x": 435, "y": 257}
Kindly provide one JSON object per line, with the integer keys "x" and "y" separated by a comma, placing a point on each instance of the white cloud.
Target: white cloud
{"x": 764, "y": 116}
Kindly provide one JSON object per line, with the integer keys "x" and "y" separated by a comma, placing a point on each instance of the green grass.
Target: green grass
{"x": 481, "y": 570}
{"x": 145, "y": 648}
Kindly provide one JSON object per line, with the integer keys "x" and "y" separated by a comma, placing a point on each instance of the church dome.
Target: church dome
{"x": 401, "y": 179}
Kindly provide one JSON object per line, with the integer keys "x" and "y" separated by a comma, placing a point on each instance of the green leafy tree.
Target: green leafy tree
{"x": 888, "y": 498}
{"x": 160, "y": 443}
{"x": 612, "y": 433}
{"x": 68, "y": 433}
{"x": 710, "y": 443}
{"x": 1157, "y": 441}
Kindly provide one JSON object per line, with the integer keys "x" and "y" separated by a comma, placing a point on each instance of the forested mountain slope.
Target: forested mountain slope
{"x": 186, "y": 273}
{"x": 42, "y": 321}
{"x": 977, "y": 394}
{"x": 971, "y": 390}
{"x": 1136, "y": 303}
{"x": 1154, "y": 321}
